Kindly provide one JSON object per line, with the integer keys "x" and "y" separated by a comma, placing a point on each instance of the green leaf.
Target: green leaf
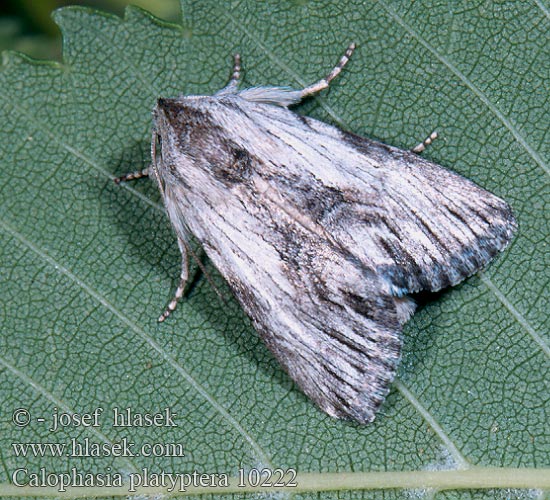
{"x": 87, "y": 266}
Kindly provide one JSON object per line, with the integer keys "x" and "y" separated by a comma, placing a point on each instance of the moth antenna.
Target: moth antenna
{"x": 138, "y": 174}
{"x": 425, "y": 143}
{"x": 324, "y": 83}
{"x": 154, "y": 167}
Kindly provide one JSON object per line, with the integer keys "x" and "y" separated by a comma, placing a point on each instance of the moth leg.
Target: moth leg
{"x": 236, "y": 74}
{"x": 184, "y": 275}
{"x": 187, "y": 251}
{"x": 231, "y": 87}
{"x": 425, "y": 143}
{"x": 324, "y": 83}
{"x": 133, "y": 175}
{"x": 203, "y": 270}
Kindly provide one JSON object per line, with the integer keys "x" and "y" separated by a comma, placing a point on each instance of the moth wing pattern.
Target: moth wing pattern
{"x": 328, "y": 326}
{"x": 421, "y": 226}
{"x": 321, "y": 235}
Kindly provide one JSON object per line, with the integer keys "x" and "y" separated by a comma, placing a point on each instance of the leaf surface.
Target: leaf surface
{"x": 87, "y": 266}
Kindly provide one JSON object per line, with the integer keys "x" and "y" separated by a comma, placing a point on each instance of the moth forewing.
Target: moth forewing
{"x": 321, "y": 234}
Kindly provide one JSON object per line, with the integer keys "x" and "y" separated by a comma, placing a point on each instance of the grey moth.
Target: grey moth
{"x": 321, "y": 234}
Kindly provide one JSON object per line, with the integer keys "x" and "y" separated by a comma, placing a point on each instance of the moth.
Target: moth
{"x": 322, "y": 235}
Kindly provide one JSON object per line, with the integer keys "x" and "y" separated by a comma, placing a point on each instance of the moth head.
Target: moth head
{"x": 173, "y": 141}
{"x": 196, "y": 140}
{"x": 185, "y": 125}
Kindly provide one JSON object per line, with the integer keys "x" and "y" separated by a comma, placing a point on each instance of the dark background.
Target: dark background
{"x": 26, "y": 25}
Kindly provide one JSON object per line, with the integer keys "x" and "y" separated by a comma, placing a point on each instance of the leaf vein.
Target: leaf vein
{"x": 460, "y": 460}
{"x": 59, "y": 403}
{"x": 469, "y": 84}
{"x": 75, "y": 152}
{"x": 260, "y": 454}
{"x": 516, "y": 314}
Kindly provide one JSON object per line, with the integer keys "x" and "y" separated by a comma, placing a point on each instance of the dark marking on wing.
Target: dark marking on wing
{"x": 232, "y": 164}
{"x": 369, "y": 147}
